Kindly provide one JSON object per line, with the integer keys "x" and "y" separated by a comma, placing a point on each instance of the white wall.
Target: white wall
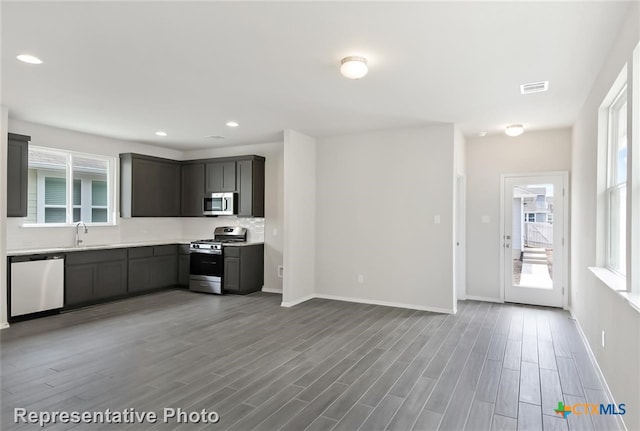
{"x": 377, "y": 196}
{"x": 486, "y": 159}
{"x": 268, "y": 229}
{"x": 4, "y": 119}
{"x": 299, "y": 218}
{"x": 595, "y": 306}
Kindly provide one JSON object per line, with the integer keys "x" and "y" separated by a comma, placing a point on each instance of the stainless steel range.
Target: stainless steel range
{"x": 206, "y": 259}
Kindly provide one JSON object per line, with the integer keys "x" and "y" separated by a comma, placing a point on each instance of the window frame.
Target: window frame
{"x": 614, "y": 187}
{"x": 85, "y": 188}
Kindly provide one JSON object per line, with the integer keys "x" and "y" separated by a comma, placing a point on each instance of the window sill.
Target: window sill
{"x": 618, "y": 284}
{"x": 40, "y": 225}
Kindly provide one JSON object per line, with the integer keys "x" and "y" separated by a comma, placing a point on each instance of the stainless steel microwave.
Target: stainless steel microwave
{"x": 220, "y": 204}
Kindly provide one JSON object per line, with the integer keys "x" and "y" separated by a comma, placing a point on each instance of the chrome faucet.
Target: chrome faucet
{"x": 78, "y": 240}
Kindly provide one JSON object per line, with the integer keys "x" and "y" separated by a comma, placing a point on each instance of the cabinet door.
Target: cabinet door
{"x": 250, "y": 177}
{"x": 79, "y": 283}
{"x": 140, "y": 274}
{"x": 155, "y": 188}
{"x": 221, "y": 177}
{"x": 111, "y": 279}
{"x": 165, "y": 272}
{"x": 183, "y": 270}
{"x": 192, "y": 190}
{"x": 231, "y": 278}
{"x": 245, "y": 187}
{"x": 17, "y": 168}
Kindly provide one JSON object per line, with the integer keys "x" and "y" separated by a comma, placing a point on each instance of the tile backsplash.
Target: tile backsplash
{"x": 202, "y": 227}
{"x": 128, "y": 230}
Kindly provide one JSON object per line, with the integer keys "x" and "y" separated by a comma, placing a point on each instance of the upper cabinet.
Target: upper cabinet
{"x": 221, "y": 177}
{"x": 149, "y": 186}
{"x": 17, "y": 168}
{"x": 250, "y": 179}
{"x": 192, "y": 189}
{"x": 155, "y": 187}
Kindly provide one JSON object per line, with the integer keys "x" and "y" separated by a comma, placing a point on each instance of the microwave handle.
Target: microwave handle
{"x": 225, "y": 204}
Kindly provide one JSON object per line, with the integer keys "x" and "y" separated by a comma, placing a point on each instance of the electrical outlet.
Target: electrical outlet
{"x": 360, "y": 278}
{"x": 280, "y": 271}
{"x": 603, "y": 338}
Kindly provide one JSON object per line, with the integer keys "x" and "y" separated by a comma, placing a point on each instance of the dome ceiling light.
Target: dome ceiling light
{"x": 354, "y": 67}
{"x": 514, "y": 130}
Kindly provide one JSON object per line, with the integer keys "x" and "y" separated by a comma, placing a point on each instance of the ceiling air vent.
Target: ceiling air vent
{"x": 534, "y": 87}
{"x": 214, "y": 137}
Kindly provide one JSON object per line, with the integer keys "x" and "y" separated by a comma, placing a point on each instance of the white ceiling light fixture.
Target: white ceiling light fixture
{"x": 354, "y": 67}
{"x": 161, "y": 133}
{"x": 232, "y": 124}
{"x": 26, "y": 58}
{"x": 514, "y": 130}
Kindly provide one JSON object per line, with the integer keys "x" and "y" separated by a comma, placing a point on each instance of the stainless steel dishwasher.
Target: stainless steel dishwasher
{"x": 37, "y": 283}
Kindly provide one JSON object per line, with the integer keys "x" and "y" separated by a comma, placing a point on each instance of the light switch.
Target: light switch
{"x": 436, "y": 219}
{"x": 486, "y": 219}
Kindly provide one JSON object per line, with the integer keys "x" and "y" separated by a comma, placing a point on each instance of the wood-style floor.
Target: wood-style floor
{"x": 321, "y": 365}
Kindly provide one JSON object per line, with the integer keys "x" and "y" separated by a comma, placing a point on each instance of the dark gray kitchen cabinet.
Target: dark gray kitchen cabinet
{"x": 140, "y": 269}
{"x": 250, "y": 179}
{"x": 243, "y": 268}
{"x": 17, "y": 169}
{"x": 183, "y": 265}
{"x": 165, "y": 266}
{"x": 79, "y": 281}
{"x": 192, "y": 189}
{"x": 220, "y": 177}
{"x": 152, "y": 268}
{"x": 92, "y": 276}
{"x": 149, "y": 186}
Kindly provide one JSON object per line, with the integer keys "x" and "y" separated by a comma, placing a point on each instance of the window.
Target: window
{"x": 616, "y": 192}
{"x": 66, "y": 187}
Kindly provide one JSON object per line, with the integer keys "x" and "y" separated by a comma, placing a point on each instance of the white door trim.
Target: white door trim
{"x": 460, "y": 237}
{"x": 565, "y": 227}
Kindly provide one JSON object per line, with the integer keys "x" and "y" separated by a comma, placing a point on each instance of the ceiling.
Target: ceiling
{"x": 128, "y": 69}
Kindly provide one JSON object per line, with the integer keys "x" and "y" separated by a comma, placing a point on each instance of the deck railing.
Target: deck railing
{"x": 538, "y": 234}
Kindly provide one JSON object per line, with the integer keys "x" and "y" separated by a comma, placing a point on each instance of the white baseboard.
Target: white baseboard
{"x": 270, "y": 290}
{"x": 592, "y": 356}
{"x": 297, "y": 301}
{"x": 385, "y": 303}
{"x": 4, "y": 325}
{"x": 484, "y": 299}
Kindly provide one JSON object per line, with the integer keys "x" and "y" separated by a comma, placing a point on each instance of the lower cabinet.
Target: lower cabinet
{"x": 183, "y": 265}
{"x": 153, "y": 267}
{"x": 243, "y": 268}
{"x": 92, "y": 276}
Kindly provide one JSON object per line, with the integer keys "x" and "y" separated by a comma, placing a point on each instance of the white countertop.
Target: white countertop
{"x": 95, "y": 247}
{"x": 112, "y": 246}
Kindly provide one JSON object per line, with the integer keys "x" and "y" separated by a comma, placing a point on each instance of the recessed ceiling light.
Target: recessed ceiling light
{"x": 514, "y": 130}
{"x": 534, "y": 87}
{"x": 232, "y": 124}
{"x": 29, "y": 59}
{"x": 161, "y": 133}
{"x": 353, "y": 67}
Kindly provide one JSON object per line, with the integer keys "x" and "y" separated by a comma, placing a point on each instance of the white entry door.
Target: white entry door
{"x": 533, "y": 249}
